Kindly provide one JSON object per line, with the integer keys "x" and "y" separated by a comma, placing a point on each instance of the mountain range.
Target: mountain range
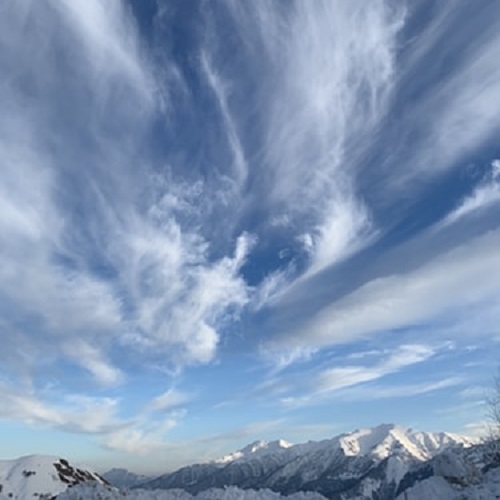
{"x": 367, "y": 463}
{"x": 387, "y": 462}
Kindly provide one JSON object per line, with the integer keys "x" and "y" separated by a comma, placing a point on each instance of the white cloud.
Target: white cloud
{"x": 221, "y": 94}
{"x": 270, "y": 288}
{"x": 356, "y": 382}
{"x": 486, "y": 194}
{"x": 92, "y": 359}
{"x": 473, "y": 392}
{"x": 95, "y": 416}
{"x": 73, "y": 413}
{"x": 96, "y": 247}
{"x": 37, "y": 142}
{"x": 109, "y": 258}
{"x": 327, "y": 90}
{"x": 457, "y": 115}
{"x": 334, "y": 379}
{"x": 495, "y": 169}
{"x": 379, "y": 391}
{"x": 133, "y": 441}
{"x": 108, "y": 39}
{"x": 463, "y": 277}
{"x": 372, "y": 392}
{"x": 468, "y": 118}
{"x": 286, "y": 357}
{"x": 169, "y": 399}
{"x": 479, "y": 429}
{"x": 346, "y": 229}
{"x": 180, "y": 297}
{"x": 142, "y": 438}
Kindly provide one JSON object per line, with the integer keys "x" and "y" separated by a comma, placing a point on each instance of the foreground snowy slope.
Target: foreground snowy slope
{"x": 441, "y": 488}
{"x": 471, "y": 473}
{"x": 40, "y": 475}
{"x": 99, "y": 492}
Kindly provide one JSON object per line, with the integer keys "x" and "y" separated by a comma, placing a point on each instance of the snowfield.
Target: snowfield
{"x": 99, "y": 492}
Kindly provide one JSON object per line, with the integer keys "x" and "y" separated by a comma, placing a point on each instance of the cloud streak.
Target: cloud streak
{"x": 462, "y": 277}
{"x": 328, "y": 89}
{"x": 484, "y": 196}
{"x": 358, "y": 382}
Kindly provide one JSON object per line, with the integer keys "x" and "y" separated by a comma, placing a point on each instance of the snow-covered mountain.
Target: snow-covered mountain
{"x": 384, "y": 463}
{"x": 363, "y": 464}
{"x": 40, "y": 476}
{"x": 254, "y": 450}
{"x": 455, "y": 474}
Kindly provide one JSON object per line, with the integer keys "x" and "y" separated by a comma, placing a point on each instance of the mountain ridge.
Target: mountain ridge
{"x": 386, "y": 462}
{"x": 360, "y": 461}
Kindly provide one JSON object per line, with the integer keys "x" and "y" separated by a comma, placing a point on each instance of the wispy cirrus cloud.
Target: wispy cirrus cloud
{"x": 463, "y": 107}
{"x": 96, "y": 247}
{"x": 447, "y": 116}
{"x": 99, "y": 417}
{"x": 104, "y": 251}
{"x": 144, "y": 436}
{"x": 462, "y": 277}
{"x": 337, "y": 378}
{"x": 485, "y": 195}
{"x": 165, "y": 174}
{"x": 170, "y": 399}
{"x": 380, "y": 391}
{"x": 74, "y": 413}
{"x": 360, "y": 381}
{"x": 327, "y": 90}
{"x": 220, "y": 91}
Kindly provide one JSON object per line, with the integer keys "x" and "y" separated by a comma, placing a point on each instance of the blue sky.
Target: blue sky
{"x": 225, "y": 221}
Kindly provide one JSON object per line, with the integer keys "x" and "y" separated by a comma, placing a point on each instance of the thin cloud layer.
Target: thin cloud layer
{"x": 485, "y": 194}
{"x": 96, "y": 262}
{"x": 357, "y": 381}
{"x": 463, "y": 277}
{"x": 328, "y": 90}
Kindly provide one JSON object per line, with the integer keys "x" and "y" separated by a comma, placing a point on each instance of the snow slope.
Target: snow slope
{"x": 38, "y": 475}
{"x": 99, "y": 492}
{"x": 254, "y": 450}
{"x": 457, "y": 474}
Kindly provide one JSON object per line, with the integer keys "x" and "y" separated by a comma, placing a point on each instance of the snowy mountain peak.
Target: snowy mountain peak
{"x": 269, "y": 446}
{"x": 38, "y": 475}
{"x": 389, "y": 439}
{"x": 351, "y": 465}
{"x": 254, "y": 450}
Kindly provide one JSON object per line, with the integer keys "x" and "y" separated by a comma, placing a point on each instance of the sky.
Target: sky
{"x": 224, "y": 221}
